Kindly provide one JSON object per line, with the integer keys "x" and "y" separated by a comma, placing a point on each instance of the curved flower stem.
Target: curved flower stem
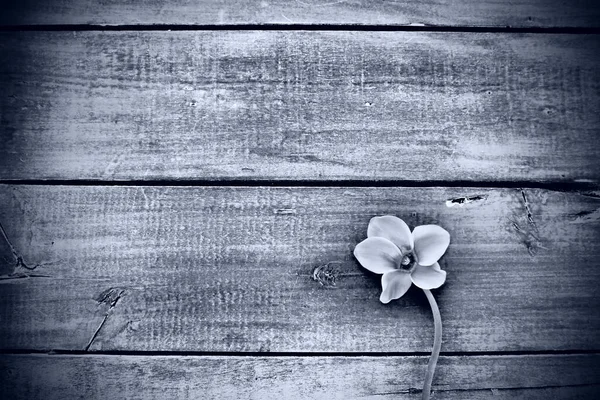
{"x": 437, "y": 344}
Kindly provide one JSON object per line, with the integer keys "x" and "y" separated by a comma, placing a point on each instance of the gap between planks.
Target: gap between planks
{"x": 577, "y": 186}
{"x": 300, "y": 27}
{"x": 374, "y": 354}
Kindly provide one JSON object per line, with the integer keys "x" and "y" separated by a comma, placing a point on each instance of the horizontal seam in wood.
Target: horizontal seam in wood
{"x": 556, "y": 186}
{"x": 302, "y": 27}
{"x": 302, "y": 354}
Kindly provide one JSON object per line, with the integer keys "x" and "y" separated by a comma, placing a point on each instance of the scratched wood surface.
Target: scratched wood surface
{"x": 299, "y": 106}
{"x": 515, "y": 13}
{"x": 144, "y": 377}
{"x": 226, "y": 269}
{"x": 159, "y": 291}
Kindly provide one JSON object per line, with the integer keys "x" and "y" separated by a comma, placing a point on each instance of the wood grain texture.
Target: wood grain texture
{"x": 299, "y": 105}
{"x": 236, "y": 269}
{"x": 516, "y": 13}
{"x": 141, "y": 377}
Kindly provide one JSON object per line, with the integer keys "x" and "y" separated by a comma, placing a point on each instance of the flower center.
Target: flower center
{"x": 408, "y": 262}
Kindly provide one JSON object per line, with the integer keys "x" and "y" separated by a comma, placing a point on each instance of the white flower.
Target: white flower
{"x": 403, "y": 257}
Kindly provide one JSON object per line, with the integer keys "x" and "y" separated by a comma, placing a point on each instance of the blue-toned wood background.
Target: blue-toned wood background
{"x": 182, "y": 185}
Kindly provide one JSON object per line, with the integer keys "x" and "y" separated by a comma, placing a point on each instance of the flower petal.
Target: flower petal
{"x": 377, "y": 254}
{"x": 393, "y": 229}
{"x": 430, "y": 277}
{"x": 431, "y": 242}
{"x": 394, "y": 284}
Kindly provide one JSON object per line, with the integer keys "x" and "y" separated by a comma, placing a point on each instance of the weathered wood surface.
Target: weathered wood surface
{"x": 299, "y": 105}
{"x": 516, "y": 13}
{"x": 142, "y": 377}
{"x": 233, "y": 269}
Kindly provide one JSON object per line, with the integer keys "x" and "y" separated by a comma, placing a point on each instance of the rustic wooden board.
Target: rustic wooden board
{"x": 516, "y": 13}
{"x": 299, "y": 105}
{"x": 142, "y": 377}
{"x": 233, "y": 269}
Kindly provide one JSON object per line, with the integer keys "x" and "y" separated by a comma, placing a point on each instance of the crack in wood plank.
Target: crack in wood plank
{"x": 528, "y": 231}
{"x": 112, "y": 297}
{"x": 19, "y": 261}
{"x": 462, "y": 201}
{"x": 585, "y": 217}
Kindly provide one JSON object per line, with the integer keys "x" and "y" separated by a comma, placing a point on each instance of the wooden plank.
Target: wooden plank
{"x": 233, "y": 269}
{"x": 516, "y": 13}
{"x": 299, "y": 105}
{"x": 143, "y": 377}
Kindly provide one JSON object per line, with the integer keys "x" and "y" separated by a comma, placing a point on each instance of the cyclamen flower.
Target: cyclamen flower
{"x": 403, "y": 257}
